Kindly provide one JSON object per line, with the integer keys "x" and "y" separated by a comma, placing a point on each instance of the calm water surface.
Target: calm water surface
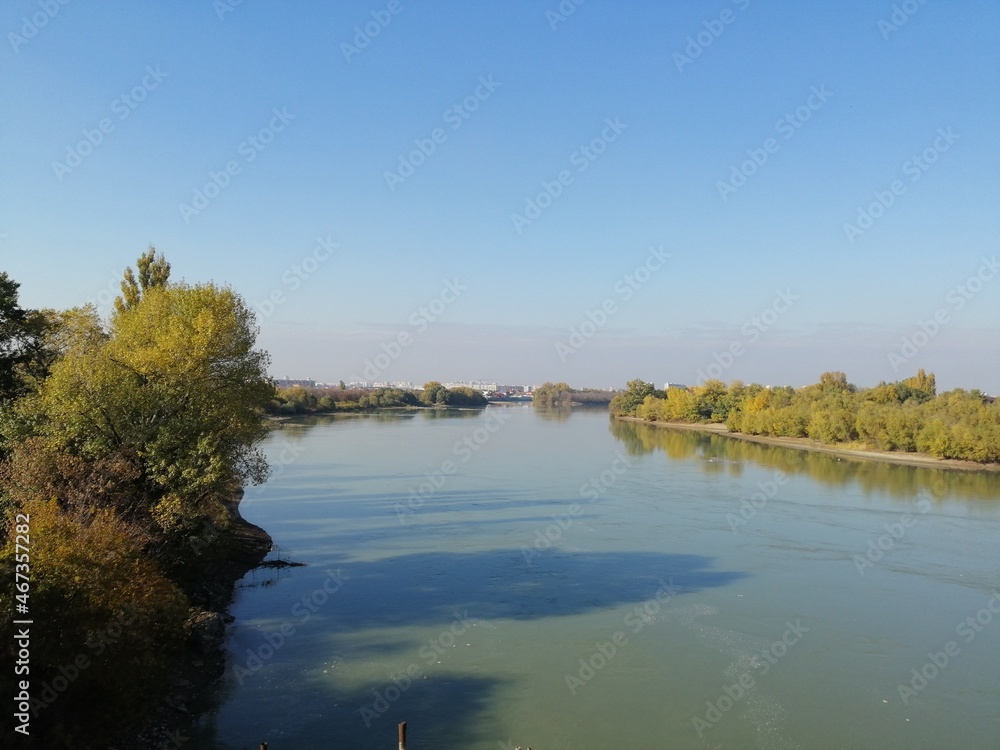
{"x": 568, "y": 582}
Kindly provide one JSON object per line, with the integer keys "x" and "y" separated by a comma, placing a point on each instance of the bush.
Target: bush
{"x": 108, "y": 625}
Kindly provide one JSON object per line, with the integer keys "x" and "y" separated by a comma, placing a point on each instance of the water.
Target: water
{"x": 570, "y": 582}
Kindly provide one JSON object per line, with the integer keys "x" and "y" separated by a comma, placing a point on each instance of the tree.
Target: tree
{"x": 923, "y": 382}
{"x": 553, "y": 394}
{"x": 177, "y": 385}
{"x": 154, "y": 271}
{"x": 23, "y": 358}
{"x": 835, "y": 382}
{"x": 434, "y": 393}
{"x": 94, "y": 592}
{"x": 712, "y": 400}
{"x": 627, "y": 403}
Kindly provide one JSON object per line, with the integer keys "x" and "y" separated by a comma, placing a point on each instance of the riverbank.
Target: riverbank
{"x": 194, "y": 683}
{"x": 807, "y": 444}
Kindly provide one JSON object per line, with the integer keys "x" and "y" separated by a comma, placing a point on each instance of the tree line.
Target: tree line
{"x": 561, "y": 394}
{"x": 908, "y": 415}
{"x": 301, "y": 400}
{"x": 123, "y": 442}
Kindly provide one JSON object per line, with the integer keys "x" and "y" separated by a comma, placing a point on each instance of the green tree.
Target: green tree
{"x": 154, "y": 271}
{"x": 434, "y": 393}
{"x": 628, "y": 403}
{"x": 24, "y": 359}
{"x": 835, "y": 382}
{"x": 712, "y": 399}
{"x": 553, "y": 394}
{"x": 177, "y": 385}
{"x": 923, "y": 382}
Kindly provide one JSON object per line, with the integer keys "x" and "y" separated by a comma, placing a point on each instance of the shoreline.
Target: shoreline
{"x": 807, "y": 444}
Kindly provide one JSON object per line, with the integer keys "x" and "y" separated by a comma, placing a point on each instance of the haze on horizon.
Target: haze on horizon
{"x": 567, "y": 190}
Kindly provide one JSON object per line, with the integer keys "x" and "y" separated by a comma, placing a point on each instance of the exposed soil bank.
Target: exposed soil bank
{"x": 806, "y": 444}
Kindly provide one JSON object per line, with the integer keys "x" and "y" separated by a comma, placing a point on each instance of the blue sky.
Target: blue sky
{"x": 816, "y": 108}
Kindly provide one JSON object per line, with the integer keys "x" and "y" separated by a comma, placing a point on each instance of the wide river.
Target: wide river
{"x": 560, "y": 581}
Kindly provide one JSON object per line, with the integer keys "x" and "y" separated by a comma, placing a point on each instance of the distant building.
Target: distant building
{"x": 476, "y": 385}
{"x": 674, "y": 385}
{"x": 513, "y": 388}
{"x": 289, "y": 383}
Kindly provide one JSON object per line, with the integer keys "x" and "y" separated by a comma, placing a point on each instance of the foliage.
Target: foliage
{"x": 300, "y": 400}
{"x": 106, "y": 621}
{"x": 154, "y": 271}
{"x": 552, "y": 394}
{"x": 24, "y": 359}
{"x": 124, "y": 444}
{"x": 436, "y": 394}
{"x": 903, "y": 416}
{"x": 632, "y": 398}
{"x": 176, "y": 385}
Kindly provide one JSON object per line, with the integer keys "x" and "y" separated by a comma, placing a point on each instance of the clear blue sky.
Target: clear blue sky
{"x": 870, "y": 98}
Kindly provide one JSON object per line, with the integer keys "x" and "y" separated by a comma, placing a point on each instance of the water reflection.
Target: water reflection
{"x": 450, "y": 413}
{"x": 554, "y": 413}
{"x": 719, "y": 453}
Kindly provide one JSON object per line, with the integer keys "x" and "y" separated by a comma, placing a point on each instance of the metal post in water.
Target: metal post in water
{"x": 402, "y": 735}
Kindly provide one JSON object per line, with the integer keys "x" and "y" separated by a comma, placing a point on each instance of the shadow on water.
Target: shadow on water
{"x": 427, "y": 588}
{"x": 719, "y": 453}
{"x": 441, "y": 711}
{"x": 370, "y": 618}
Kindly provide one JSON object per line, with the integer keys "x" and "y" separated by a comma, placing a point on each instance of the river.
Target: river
{"x": 558, "y": 580}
